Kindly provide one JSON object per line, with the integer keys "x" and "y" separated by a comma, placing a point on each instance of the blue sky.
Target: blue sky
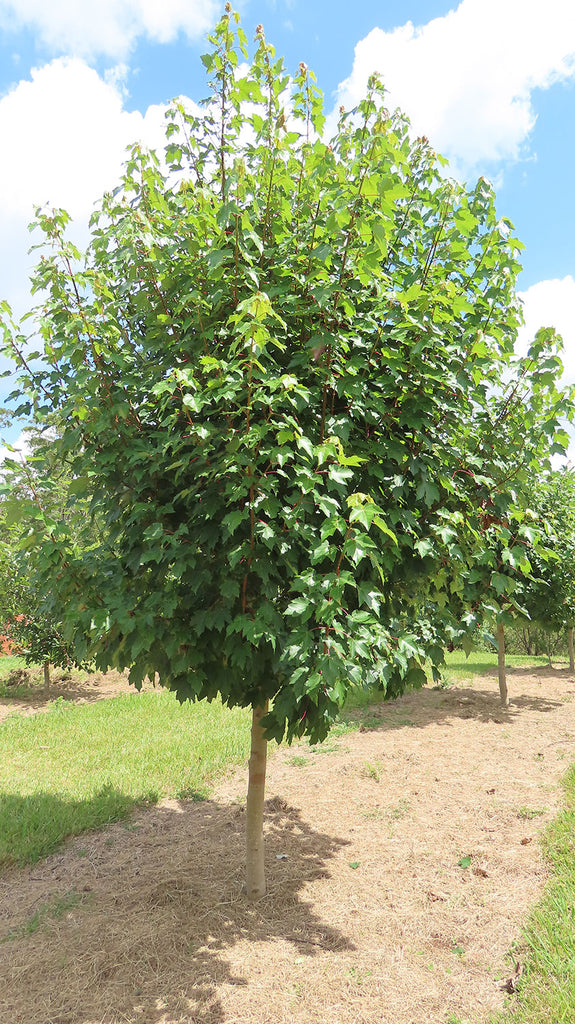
{"x": 490, "y": 82}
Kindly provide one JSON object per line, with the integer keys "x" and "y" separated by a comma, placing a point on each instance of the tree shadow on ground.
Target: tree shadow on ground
{"x": 33, "y": 825}
{"x": 435, "y": 705}
{"x": 161, "y": 930}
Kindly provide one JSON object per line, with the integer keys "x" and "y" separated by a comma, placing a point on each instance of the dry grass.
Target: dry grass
{"x": 370, "y": 917}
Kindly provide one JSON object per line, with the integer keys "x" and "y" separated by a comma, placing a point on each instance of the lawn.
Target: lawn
{"x": 459, "y": 667}
{"x": 77, "y": 767}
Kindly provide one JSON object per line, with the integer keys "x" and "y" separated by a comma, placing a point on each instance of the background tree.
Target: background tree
{"x": 502, "y": 572}
{"x": 285, "y": 374}
{"x": 550, "y": 597}
{"x": 39, "y": 484}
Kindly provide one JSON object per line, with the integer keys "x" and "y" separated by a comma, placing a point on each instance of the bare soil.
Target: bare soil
{"x": 402, "y": 863}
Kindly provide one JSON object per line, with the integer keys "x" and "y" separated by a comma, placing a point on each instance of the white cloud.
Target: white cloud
{"x": 109, "y": 27}
{"x": 551, "y": 304}
{"x": 466, "y": 79}
{"x": 19, "y": 450}
{"x": 65, "y": 134}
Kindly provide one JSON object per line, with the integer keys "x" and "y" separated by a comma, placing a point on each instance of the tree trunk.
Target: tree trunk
{"x": 255, "y": 870}
{"x": 548, "y": 648}
{"x": 527, "y": 642}
{"x": 46, "y": 676}
{"x": 501, "y": 665}
{"x": 571, "y": 652}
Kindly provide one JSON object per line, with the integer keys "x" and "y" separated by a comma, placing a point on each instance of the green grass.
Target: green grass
{"x": 78, "y": 767}
{"x": 547, "y": 990}
{"x": 8, "y": 665}
{"x": 8, "y": 662}
{"x": 458, "y": 667}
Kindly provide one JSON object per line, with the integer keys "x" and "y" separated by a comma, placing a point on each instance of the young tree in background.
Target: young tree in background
{"x": 39, "y": 485}
{"x": 550, "y": 599}
{"x": 286, "y": 380}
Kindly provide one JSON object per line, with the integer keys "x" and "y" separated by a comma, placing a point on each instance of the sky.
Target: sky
{"x": 491, "y": 83}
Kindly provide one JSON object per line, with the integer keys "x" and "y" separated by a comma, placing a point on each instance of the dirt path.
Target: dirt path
{"x": 370, "y": 919}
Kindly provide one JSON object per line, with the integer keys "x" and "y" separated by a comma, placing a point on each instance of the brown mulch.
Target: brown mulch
{"x": 369, "y": 918}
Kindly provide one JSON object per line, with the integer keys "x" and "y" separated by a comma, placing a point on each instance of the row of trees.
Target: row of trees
{"x": 28, "y": 627}
{"x": 285, "y": 388}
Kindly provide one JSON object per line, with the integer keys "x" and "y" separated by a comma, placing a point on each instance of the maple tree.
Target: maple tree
{"x": 285, "y": 375}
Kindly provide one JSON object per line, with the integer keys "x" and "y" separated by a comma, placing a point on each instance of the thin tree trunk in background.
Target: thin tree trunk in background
{"x": 527, "y": 642}
{"x": 255, "y": 870}
{"x": 548, "y": 647}
{"x": 571, "y": 652}
{"x": 501, "y": 665}
{"x": 46, "y": 676}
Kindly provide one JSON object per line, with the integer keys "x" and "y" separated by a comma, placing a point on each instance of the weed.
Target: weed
{"x": 325, "y": 748}
{"x": 359, "y": 976}
{"x": 527, "y": 813}
{"x": 344, "y": 726}
{"x": 48, "y": 911}
{"x": 401, "y": 810}
{"x": 190, "y": 793}
{"x": 371, "y": 770}
{"x": 8, "y": 691}
{"x": 400, "y": 723}
{"x": 372, "y": 813}
{"x": 298, "y": 761}
{"x": 368, "y": 722}
{"x": 444, "y": 682}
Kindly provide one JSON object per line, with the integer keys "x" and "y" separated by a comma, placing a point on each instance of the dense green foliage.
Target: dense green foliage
{"x": 285, "y": 376}
{"x": 41, "y": 481}
{"x": 550, "y": 599}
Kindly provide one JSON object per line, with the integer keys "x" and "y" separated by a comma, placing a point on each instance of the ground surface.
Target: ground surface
{"x": 370, "y": 919}
{"x": 82, "y": 687}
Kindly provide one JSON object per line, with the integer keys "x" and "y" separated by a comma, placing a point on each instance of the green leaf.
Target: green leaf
{"x": 299, "y": 606}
